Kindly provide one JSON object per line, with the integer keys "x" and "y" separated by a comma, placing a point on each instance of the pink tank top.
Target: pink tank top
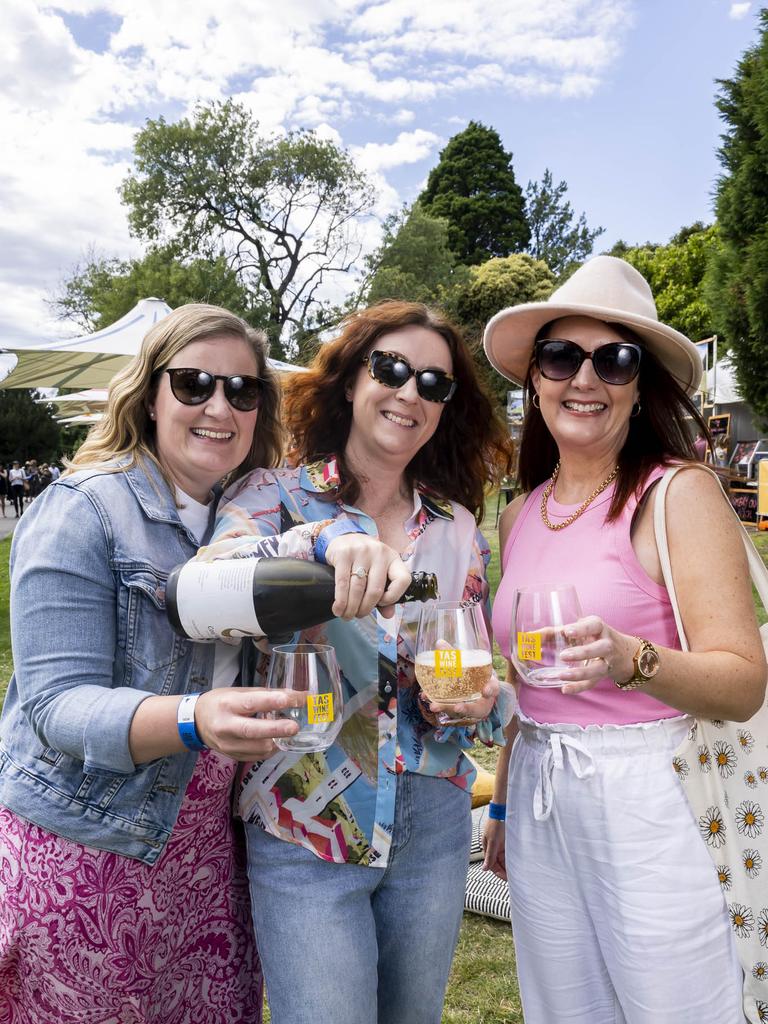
{"x": 598, "y": 559}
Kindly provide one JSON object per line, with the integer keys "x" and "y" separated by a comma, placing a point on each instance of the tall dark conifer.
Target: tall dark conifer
{"x": 473, "y": 187}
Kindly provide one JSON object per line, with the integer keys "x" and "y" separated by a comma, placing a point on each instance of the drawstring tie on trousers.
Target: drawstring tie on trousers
{"x": 580, "y": 761}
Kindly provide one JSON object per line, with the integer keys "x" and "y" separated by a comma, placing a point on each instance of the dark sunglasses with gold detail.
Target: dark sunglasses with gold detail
{"x": 618, "y": 362}
{"x": 393, "y": 371}
{"x": 193, "y": 387}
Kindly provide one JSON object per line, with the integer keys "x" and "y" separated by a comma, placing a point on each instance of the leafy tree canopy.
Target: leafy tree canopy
{"x": 556, "y": 237}
{"x": 101, "y": 289}
{"x": 414, "y": 261}
{"x": 474, "y": 188}
{"x": 737, "y": 283}
{"x": 27, "y": 428}
{"x": 282, "y": 208}
{"x": 676, "y": 273}
{"x": 493, "y": 286}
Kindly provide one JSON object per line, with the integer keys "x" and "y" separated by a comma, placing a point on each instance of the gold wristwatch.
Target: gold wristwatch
{"x": 646, "y": 662}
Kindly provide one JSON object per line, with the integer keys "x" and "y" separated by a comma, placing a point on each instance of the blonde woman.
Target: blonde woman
{"x": 122, "y": 896}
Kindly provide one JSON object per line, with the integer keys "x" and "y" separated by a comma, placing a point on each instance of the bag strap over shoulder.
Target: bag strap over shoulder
{"x": 757, "y": 569}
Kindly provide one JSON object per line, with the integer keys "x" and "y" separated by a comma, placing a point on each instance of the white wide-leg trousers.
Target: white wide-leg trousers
{"x": 617, "y": 912}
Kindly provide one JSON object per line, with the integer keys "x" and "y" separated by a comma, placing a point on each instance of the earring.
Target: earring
{"x": 536, "y": 401}
{"x": 635, "y": 410}
{"x": 152, "y": 416}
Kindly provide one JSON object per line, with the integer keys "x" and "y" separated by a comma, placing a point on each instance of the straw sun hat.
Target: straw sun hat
{"x": 605, "y": 288}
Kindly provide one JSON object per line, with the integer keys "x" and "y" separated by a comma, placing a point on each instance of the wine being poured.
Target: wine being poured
{"x": 273, "y": 597}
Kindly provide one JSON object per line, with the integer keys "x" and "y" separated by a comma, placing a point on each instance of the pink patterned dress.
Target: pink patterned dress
{"x": 90, "y": 937}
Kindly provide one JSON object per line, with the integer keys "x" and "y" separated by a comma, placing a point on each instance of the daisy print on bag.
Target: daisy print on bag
{"x": 681, "y": 766}
{"x": 742, "y": 919}
{"x": 749, "y": 819}
{"x": 725, "y": 758}
{"x": 724, "y": 877}
{"x": 762, "y": 773}
{"x": 746, "y": 739}
{"x": 752, "y": 862}
{"x": 760, "y": 971}
{"x": 750, "y": 779}
{"x": 704, "y": 758}
{"x": 762, "y": 926}
{"x": 712, "y": 827}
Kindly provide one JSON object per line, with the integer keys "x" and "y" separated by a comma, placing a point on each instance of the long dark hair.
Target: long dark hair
{"x": 470, "y": 449}
{"x": 658, "y": 433}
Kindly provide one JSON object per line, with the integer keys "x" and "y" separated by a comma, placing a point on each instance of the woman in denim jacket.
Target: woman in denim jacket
{"x": 122, "y": 896}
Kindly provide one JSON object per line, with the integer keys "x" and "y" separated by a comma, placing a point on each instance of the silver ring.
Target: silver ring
{"x": 360, "y": 572}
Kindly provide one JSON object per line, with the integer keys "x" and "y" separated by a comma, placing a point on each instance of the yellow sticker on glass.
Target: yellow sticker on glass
{"x": 319, "y": 708}
{"x": 529, "y": 646}
{"x": 448, "y": 664}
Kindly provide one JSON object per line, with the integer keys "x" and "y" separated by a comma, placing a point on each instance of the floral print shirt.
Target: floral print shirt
{"x": 340, "y": 803}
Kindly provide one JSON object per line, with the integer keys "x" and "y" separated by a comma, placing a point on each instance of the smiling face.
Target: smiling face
{"x": 584, "y": 412}
{"x": 199, "y": 444}
{"x": 390, "y": 425}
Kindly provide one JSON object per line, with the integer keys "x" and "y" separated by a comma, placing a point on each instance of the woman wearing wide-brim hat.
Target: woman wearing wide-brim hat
{"x": 616, "y": 909}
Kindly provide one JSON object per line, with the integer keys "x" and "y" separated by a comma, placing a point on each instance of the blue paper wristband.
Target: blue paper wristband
{"x": 185, "y": 721}
{"x": 330, "y": 532}
{"x": 497, "y": 812}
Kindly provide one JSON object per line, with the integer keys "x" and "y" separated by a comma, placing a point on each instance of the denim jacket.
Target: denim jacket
{"x": 89, "y": 564}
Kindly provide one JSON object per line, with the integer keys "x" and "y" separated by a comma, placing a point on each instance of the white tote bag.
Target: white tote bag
{"x": 723, "y": 767}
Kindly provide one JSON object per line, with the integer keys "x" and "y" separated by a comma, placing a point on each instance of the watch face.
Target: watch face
{"x": 648, "y": 663}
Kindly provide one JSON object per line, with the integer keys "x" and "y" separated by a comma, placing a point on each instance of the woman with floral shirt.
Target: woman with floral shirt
{"x": 358, "y": 855}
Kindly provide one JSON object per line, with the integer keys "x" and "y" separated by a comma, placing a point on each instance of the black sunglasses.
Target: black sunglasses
{"x": 618, "y": 362}
{"x": 392, "y": 370}
{"x": 193, "y": 387}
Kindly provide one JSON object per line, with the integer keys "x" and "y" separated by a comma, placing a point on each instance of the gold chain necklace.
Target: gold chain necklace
{"x": 582, "y": 508}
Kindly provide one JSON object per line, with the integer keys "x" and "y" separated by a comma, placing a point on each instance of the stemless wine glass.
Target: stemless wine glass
{"x": 453, "y": 652}
{"x": 538, "y": 640}
{"x": 310, "y": 673}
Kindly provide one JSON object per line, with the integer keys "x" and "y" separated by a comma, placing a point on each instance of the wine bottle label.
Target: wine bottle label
{"x": 529, "y": 646}
{"x": 448, "y": 664}
{"x": 319, "y": 708}
{"x": 215, "y": 599}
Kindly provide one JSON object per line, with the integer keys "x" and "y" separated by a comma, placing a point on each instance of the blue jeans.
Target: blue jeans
{"x": 345, "y": 944}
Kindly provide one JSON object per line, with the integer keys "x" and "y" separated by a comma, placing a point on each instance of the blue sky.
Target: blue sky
{"x": 614, "y": 96}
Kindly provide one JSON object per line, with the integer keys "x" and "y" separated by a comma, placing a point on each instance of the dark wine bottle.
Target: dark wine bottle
{"x": 271, "y": 597}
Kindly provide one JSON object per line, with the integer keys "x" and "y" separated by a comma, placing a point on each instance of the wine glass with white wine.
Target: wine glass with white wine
{"x": 453, "y": 652}
{"x": 538, "y": 637}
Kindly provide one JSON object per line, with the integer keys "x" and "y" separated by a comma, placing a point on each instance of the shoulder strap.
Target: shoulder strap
{"x": 757, "y": 569}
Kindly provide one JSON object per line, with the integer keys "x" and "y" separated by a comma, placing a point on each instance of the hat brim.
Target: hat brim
{"x": 510, "y": 334}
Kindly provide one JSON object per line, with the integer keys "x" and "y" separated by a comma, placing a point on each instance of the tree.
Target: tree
{"x": 102, "y": 289}
{"x": 27, "y": 428}
{"x": 473, "y": 187}
{"x": 493, "y": 286}
{"x": 555, "y": 238}
{"x": 414, "y": 261}
{"x": 737, "y": 283}
{"x": 676, "y": 273}
{"x": 282, "y": 208}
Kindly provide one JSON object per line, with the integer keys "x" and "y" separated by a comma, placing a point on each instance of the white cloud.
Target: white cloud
{"x": 408, "y": 148}
{"x": 739, "y": 10}
{"x": 69, "y": 114}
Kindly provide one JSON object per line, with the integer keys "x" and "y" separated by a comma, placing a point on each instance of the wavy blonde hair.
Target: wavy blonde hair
{"x": 127, "y": 434}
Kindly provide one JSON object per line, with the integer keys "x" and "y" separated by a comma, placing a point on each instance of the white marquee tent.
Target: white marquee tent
{"x": 89, "y": 361}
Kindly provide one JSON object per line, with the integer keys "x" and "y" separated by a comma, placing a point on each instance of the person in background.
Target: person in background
{"x": 4, "y": 488}
{"x": 701, "y": 445}
{"x": 358, "y": 856}
{"x": 122, "y": 890}
{"x": 617, "y": 913}
{"x": 17, "y": 479}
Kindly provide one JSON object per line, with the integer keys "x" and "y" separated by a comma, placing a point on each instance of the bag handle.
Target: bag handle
{"x": 757, "y": 570}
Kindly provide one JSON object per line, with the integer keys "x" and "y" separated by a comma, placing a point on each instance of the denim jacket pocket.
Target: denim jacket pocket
{"x": 143, "y": 630}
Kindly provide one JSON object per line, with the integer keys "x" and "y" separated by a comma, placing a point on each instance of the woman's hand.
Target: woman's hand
{"x": 469, "y": 712}
{"x": 493, "y": 848}
{"x": 226, "y": 720}
{"x": 595, "y": 651}
{"x": 368, "y": 573}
